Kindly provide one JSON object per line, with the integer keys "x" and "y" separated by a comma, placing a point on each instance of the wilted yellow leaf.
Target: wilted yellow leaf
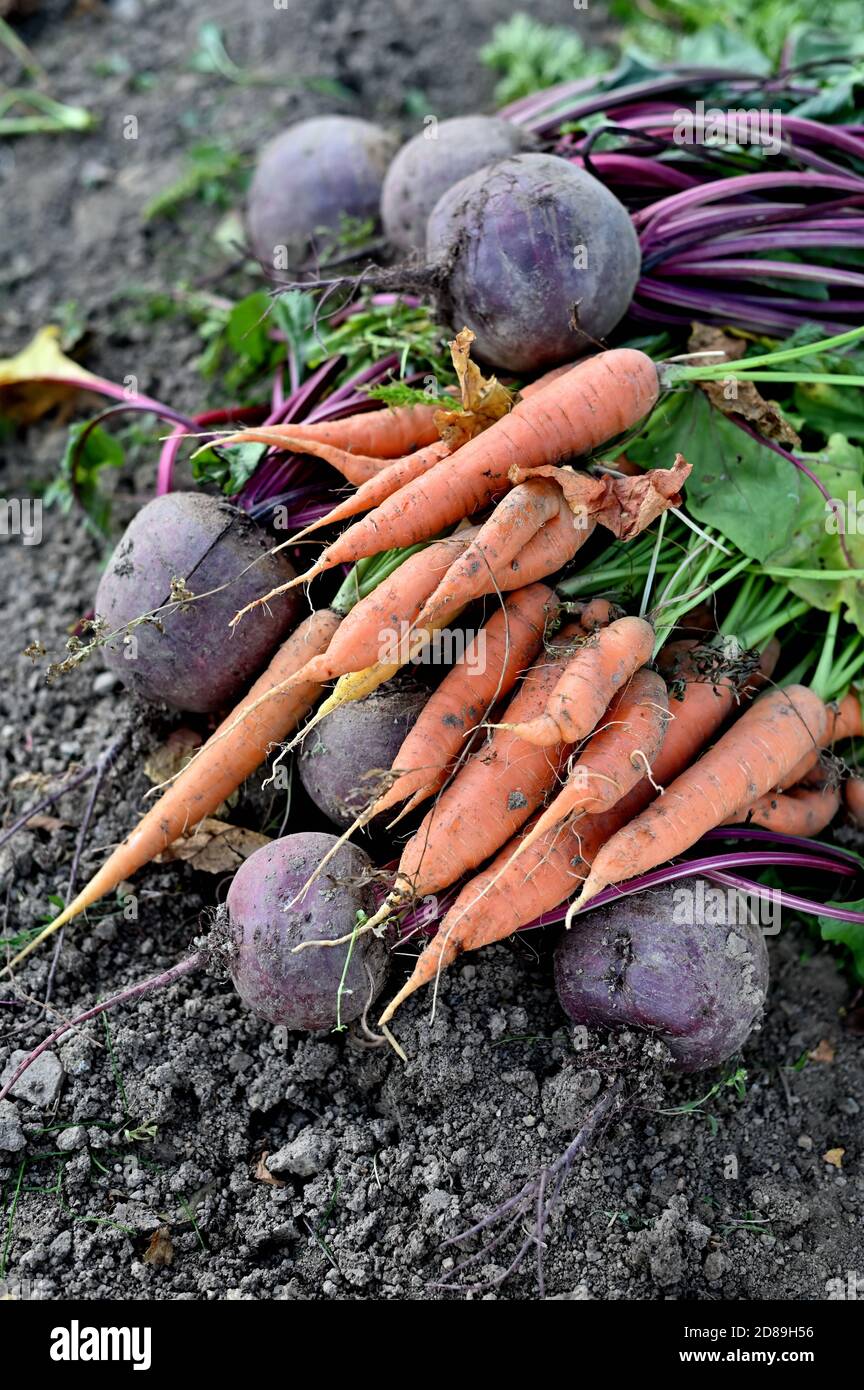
{"x": 484, "y": 400}
{"x": 39, "y": 377}
{"x": 834, "y": 1157}
{"x": 823, "y": 1052}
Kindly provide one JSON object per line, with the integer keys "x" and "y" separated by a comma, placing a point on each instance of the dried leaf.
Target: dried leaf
{"x": 625, "y": 506}
{"x": 39, "y": 377}
{"x": 706, "y": 337}
{"x": 171, "y": 756}
{"x": 484, "y": 399}
{"x": 823, "y": 1052}
{"x": 834, "y": 1157}
{"x": 50, "y": 823}
{"x": 160, "y": 1251}
{"x": 214, "y": 847}
{"x": 636, "y": 502}
{"x": 740, "y": 397}
{"x": 263, "y": 1174}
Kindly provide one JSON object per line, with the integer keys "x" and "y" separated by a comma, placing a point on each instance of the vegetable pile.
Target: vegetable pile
{"x": 592, "y": 614}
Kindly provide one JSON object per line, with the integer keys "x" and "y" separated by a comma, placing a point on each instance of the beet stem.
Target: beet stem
{"x": 168, "y": 977}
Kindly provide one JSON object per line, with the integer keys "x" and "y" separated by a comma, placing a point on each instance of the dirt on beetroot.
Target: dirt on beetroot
{"x": 282, "y": 1166}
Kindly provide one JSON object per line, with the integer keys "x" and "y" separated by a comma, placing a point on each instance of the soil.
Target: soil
{"x": 159, "y": 1119}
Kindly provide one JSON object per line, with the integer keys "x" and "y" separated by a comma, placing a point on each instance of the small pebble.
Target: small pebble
{"x": 73, "y": 1138}
{"x": 40, "y": 1085}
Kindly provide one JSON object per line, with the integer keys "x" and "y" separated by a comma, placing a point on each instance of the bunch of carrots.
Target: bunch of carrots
{"x": 588, "y": 746}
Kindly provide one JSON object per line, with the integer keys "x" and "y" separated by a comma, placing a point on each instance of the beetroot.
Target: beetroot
{"x": 344, "y": 759}
{"x": 312, "y": 183}
{"x": 534, "y": 255}
{"x": 649, "y": 961}
{"x": 301, "y": 990}
{"x": 436, "y": 158}
{"x": 193, "y": 660}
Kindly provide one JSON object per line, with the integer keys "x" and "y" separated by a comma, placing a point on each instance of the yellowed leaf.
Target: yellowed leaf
{"x": 160, "y": 1251}
{"x": 823, "y": 1052}
{"x": 39, "y": 377}
{"x": 214, "y": 847}
{"x": 484, "y": 399}
{"x": 834, "y": 1157}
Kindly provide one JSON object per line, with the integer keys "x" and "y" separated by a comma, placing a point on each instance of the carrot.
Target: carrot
{"x": 381, "y": 485}
{"x": 599, "y": 398}
{"x": 846, "y": 718}
{"x": 381, "y": 434}
{"x": 599, "y": 612}
{"x": 509, "y": 894}
{"x": 356, "y": 468}
{"x": 487, "y": 671}
{"x": 514, "y": 522}
{"x": 853, "y": 796}
{"x": 598, "y": 669}
{"x": 493, "y": 794}
{"x": 517, "y": 888}
{"x": 746, "y": 762}
{"x": 229, "y": 756}
{"x": 800, "y": 811}
{"x": 844, "y": 721}
{"x": 616, "y": 759}
{"x": 378, "y": 625}
{"x": 377, "y": 476}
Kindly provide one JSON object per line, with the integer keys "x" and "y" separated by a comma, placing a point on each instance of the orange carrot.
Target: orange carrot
{"x": 802, "y": 810}
{"x": 599, "y": 612}
{"x": 382, "y": 434}
{"x": 512, "y": 891}
{"x": 356, "y": 468}
{"x": 492, "y": 795}
{"x": 486, "y": 672}
{"x": 376, "y": 629}
{"x": 488, "y": 559}
{"x": 229, "y": 756}
{"x": 594, "y": 673}
{"x": 853, "y": 796}
{"x": 599, "y": 398}
{"x": 844, "y": 721}
{"x": 746, "y": 762}
{"x": 625, "y": 745}
{"x": 381, "y": 485}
